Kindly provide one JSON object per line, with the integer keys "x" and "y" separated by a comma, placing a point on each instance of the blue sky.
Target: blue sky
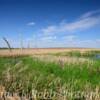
{"x": 50, "y": 23}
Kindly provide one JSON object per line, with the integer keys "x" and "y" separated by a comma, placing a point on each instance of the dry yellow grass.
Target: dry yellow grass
{"x": 16, "y": 52}
{"x": 63, "y": 59}
{"x": 2, "y": 90}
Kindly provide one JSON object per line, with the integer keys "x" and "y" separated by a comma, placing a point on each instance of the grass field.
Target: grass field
{"x": 51, "y": 71}
{"x": 6, "y": 52}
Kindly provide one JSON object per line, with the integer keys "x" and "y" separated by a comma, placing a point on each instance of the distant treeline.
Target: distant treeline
{"x": 13, "y": 48}
{"x": 7, "y": 48}
{"x": 3, "y": 48}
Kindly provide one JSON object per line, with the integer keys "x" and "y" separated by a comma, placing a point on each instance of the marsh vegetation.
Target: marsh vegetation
{"x": 71, "y": 72}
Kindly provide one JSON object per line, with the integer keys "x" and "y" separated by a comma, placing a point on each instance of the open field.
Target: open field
{"x": 6, "y": 52}
{"x": 59, "y": 74}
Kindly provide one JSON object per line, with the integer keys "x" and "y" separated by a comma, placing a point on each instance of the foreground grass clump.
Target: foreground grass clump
{"x": 22, "y": 74}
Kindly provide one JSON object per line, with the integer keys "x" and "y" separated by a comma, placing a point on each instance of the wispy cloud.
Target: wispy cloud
{"x": 85, "y": 21}
{"x": 31, "y": 23}
{"x": 70, "y": 38}
{"x": 63, "y": 29}
{"x": 50, "y": 29}
{"x": 82, "y": 24}
{"x": 48, "y": 38}
{"x": 90, "y": 13}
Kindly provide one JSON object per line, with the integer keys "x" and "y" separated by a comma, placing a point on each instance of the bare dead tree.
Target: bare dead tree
{"x": 8, "y": 44}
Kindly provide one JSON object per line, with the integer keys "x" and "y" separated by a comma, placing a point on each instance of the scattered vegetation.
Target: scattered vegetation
{"x": 78, "y": 53}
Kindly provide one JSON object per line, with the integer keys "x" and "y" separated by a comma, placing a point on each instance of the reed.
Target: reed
{"x": 8, "y": 44}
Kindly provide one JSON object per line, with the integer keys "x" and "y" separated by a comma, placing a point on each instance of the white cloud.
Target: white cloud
{"x": 89, "y": 43}
{"x": 86, "y": 21}
{"x": 46, "y": 38}
{"x": 50, "y": 29}
{"x": 70, "y": 38}
{"x": 90, "y": 13}
{"x": 81, "y": 24}
{"x": 31, "y": 24}
{"x": 50, "y": 41}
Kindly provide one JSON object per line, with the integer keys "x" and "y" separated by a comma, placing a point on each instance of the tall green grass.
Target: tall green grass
{"x": 27, "y": 73}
